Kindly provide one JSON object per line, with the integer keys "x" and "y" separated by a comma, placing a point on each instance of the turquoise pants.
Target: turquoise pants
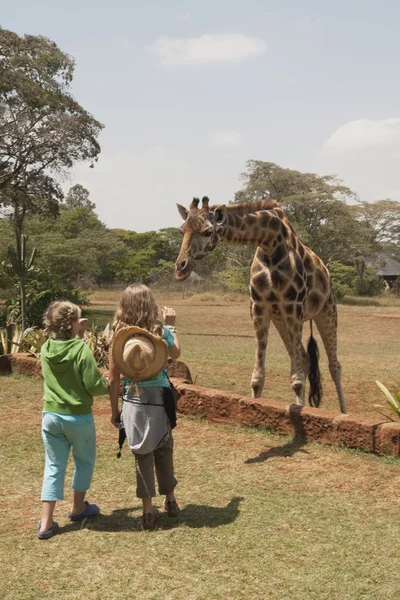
{"x": 60, "y": 433}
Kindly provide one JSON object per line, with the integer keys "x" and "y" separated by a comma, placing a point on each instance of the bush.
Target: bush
{"x": 42, "y": 289}
{"x": 347, "y": 282}
{"x": 235, "y": 278}
{"x": 342, "y": 279}
{"x": 370, "y": 285}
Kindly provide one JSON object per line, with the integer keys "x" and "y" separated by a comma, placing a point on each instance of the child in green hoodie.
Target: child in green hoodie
{"x": 71, "y": 379}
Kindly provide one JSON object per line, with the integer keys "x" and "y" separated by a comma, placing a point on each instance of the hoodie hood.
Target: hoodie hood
{"x": 61, "y": 354}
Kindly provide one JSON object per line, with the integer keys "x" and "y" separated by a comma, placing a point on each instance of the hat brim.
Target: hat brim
{"x": 153, "y": 369}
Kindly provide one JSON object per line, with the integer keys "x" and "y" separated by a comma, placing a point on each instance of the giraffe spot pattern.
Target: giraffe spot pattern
{"x": 274, "y": 224}
{"x": 291, "y": 294}
{"x": 255, "y": 295}
{"x": 298, "y": 280}
{"x": 264, "y": 219}
{"x": 277, "y": 280}
{"x": 278, "y": 254}
{"x": 314, "y": 300}
{"x": 261, "y": 281}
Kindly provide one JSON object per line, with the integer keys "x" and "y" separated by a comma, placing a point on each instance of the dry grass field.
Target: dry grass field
{"x": 218, "y": 344}
{"x": 263, "y": 516}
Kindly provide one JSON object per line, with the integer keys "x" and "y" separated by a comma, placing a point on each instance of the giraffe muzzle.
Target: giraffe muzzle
{"x": 183, "y": 269}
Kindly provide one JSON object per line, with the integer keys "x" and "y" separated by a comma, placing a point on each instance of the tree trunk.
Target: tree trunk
{"x": 19, "y": 217}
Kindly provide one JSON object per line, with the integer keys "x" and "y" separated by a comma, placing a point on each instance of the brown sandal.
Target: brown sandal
{"x": 149, "y": 520}
{"x": 171, "y": 508}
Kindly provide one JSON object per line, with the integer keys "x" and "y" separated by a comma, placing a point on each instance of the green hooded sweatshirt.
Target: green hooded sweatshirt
{"x": 71, "y": 377}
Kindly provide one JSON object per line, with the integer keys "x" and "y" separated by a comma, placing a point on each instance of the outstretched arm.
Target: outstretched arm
{"x": 114, "y": 382}
{"x": 174, "y": 351}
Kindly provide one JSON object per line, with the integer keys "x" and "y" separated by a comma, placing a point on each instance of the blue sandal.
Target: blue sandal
{"x": 90, "y": 511}
{"x": 49, "y": 533}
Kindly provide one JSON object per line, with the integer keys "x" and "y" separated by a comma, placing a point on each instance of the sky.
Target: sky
{"x": 189, "y": 91}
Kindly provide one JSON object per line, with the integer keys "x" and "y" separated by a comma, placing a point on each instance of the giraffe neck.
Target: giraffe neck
{"x": 264, "y": 229}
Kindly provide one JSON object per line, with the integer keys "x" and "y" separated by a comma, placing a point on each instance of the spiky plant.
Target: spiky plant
{"x": 392, "y": 402}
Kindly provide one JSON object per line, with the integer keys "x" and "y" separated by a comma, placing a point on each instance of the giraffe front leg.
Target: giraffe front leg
{"x": 299, "y": 358}
{"x": 298, "y": 382}
{"x": 261, "y": 326}
{"x": 298, "y": 377}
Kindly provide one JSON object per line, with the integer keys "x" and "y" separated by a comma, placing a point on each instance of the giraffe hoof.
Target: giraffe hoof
{"x": 297, "y": 387}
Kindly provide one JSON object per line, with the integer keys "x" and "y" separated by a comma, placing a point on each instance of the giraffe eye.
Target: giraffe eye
{"x": 208, "y": 232}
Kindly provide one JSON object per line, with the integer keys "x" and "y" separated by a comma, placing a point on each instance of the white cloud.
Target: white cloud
{"x": 217, "y": 48}
{"x": 225, "y": 138}
{"x": 365, "y": 133}
{"x": 365, "y": 154}
{"x": 139, "y": 190}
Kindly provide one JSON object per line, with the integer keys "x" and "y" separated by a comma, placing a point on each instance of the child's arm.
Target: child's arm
{"x": 174, "y": 348}
{"x": 94, "y": 384}
{"x": 113, "y": 389}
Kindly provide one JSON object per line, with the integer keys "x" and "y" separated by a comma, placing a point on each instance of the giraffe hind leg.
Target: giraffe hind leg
{"x": 326, "y": 322}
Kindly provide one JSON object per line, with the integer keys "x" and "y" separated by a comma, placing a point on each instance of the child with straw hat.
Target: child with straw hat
{"x": 139, "y": 350}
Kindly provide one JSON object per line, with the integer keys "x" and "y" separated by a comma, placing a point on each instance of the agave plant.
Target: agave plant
{"x": 392, "y": 402}
{"x": 11, "y": 334}
{"x": 98, "y": 344}
{"x": 20, "y": 265}
{"x": 32, "y": 340}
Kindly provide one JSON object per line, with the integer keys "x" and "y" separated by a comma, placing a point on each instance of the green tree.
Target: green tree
{"x": 315, "y": 205}
{"x": 78, "y": 197}
{"x": 382, "y": 220}
{"x": 43, "y": 130}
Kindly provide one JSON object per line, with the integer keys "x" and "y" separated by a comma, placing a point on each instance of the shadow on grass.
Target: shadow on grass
{"x": 288, "y": 449}
{"x": 192, "y": 515}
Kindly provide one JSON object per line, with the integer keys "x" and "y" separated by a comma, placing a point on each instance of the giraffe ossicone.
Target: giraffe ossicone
{"x": 289, "y": 285}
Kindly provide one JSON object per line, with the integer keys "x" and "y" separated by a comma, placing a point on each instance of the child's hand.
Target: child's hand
{"x": 169, "y": 315}
{"x": 83, "y": 323}
{"x": 115, "y": 419}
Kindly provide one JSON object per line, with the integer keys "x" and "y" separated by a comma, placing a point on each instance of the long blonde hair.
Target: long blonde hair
{"x": 138, "y": 306}
{"x": 59, "y": 317}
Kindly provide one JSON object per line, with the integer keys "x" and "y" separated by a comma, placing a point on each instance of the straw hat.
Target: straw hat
{"x": 138, "y": 354}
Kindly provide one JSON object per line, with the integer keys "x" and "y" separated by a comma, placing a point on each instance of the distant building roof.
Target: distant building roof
{"x": 386, "y": 266}
{"x": 195, "y": 277}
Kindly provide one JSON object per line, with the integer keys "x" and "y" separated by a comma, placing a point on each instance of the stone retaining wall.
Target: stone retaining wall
{"x": 327, "y": 427}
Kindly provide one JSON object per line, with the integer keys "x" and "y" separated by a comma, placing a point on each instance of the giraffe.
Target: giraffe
{"x": 289, "y": 284}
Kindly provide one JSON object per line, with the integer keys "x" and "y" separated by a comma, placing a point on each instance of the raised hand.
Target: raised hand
{"x": 169, "y": 315}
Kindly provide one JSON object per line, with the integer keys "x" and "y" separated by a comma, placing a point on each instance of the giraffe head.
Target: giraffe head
{"x": 199, "y": 234}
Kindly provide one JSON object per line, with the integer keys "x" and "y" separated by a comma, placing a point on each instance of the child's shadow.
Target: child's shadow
{"x": 192, "y": 515}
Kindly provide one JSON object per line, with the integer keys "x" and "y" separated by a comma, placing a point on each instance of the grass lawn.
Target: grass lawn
{"x": 218, "y": 344}
{"x": 264, "y": 517}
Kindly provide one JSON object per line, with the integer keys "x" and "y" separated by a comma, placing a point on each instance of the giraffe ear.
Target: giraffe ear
{"x": 183, "y": 211}
{"x": 220, "y": 214}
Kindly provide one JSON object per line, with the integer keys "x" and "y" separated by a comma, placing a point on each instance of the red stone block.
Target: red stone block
{"x": 26, "y": 364}
{"x": 5, "y": 364}
{"x": 389, "y": 438}
{"x": 195, "y": 400}
{"x": 313, "y": 423}
{"x": 178, "y": 369}
{"x": 356, "y": 432}
{"x": 260, "y": 412}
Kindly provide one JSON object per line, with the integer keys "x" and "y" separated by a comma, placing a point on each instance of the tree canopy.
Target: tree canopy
{"x": 43, "y": 130}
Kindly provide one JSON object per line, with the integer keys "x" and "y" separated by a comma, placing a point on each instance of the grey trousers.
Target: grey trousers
{"x": 162, "y": 459}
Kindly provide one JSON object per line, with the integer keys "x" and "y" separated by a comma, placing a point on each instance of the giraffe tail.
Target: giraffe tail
{"x": 314, "y": 375}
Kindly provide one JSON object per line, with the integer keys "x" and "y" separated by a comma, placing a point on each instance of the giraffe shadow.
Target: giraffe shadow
{"x": 294, "y": 446}
{"x": 194, "y": 516}
{"x": 289, "y": 449}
